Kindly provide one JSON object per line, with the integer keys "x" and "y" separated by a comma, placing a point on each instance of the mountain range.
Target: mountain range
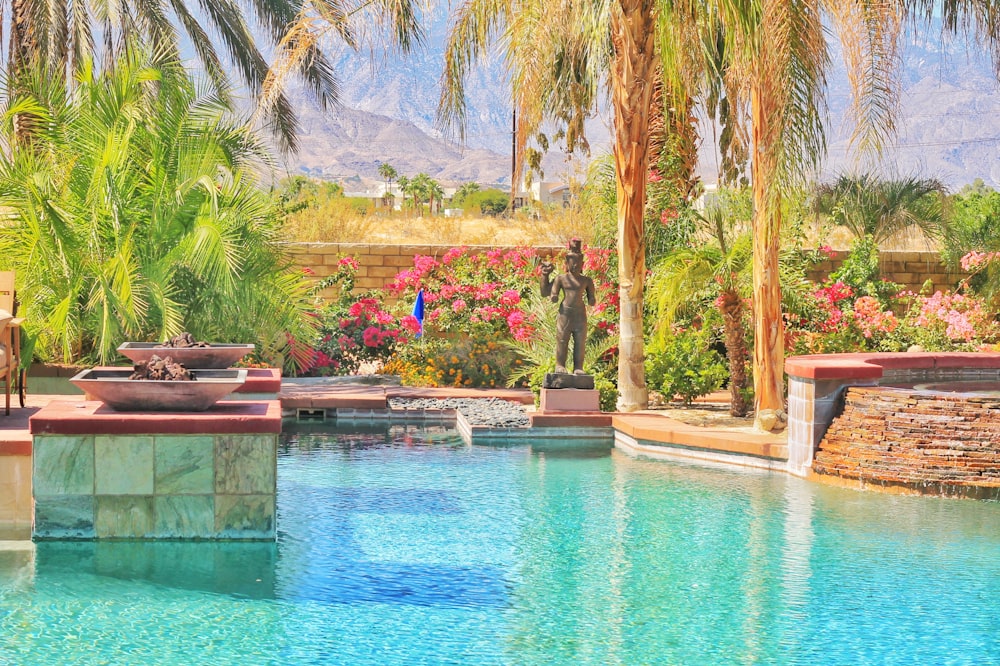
{"x": 949, "y": 129}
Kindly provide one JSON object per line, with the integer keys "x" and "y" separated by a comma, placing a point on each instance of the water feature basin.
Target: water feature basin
{"x": 117, "y": 391}
{"x": 216, "y": 355}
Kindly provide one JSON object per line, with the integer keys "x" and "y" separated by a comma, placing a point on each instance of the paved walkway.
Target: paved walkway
{"x": 651, "y": 426}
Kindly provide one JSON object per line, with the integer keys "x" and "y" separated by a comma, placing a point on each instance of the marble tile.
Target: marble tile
{"x": 123, "y": 516}
{"x": 63, "y": 465}
{"x": 64, "y": 517}
{"x": 244, "y": 516}
{"x": 184, "y": 465}
{"x": 184, "y": 517}
{"x": 123, "y": 465}
{"x": 245, "y": 464}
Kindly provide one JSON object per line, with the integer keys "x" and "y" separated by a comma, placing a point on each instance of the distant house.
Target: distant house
{"x": 546, "y": 194}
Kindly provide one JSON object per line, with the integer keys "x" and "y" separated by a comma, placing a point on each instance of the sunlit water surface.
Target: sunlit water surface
{"x": 407, "y": 547}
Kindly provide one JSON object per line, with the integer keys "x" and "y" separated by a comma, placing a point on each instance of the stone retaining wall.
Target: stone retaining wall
{"x": 379, "y": 263}
{"x": 926, "y": 442}
{"x": 910, "y": 269}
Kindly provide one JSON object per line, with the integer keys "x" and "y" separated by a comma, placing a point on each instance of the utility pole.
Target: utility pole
{"x": 513, "y": 160}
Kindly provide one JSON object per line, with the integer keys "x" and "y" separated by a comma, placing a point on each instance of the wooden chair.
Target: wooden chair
{"x": 10, "y": 341}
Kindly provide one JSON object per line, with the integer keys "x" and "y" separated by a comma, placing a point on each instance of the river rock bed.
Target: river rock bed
{"x": 493, "y": 412}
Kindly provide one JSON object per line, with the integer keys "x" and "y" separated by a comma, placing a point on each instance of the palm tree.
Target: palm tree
{"x": 61, "y": 36}
{"x": 464, "y": 191}
{"x": 388, "y": 172}
{"x": 717, "y": 270}
{"x": 558, "y": 60}
{"x": 420, "y": 190}
{"x": 434, "y": 194}
{"x": 135, "y": 215}
{"x": 874, "y": 207}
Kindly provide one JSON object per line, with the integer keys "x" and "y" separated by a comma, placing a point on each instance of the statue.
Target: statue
{"x": 572, "y": 321}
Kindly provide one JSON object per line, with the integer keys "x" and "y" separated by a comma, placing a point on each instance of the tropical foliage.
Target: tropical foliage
{"x": 62, "y": 36}
{"x": 134, "y": 214}
{"x": 884, "y": 208}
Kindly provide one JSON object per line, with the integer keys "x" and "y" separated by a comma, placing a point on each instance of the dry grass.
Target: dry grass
{"x": 548, "y": 228}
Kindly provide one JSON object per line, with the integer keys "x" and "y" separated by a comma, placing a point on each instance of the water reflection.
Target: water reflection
{"x": 242, "y": 569}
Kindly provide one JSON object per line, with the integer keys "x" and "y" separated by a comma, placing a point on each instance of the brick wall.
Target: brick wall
{"x": 380, "y": 263}
{"x": 911, "y": 269}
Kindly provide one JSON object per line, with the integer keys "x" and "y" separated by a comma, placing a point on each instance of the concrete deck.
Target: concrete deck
{"x": 650, "y": 430}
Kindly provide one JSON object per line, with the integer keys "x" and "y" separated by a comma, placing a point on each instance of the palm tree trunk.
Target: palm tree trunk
{"x": 769, "y": 352}
{"x": 633, "y": 72}
{"x": 23, "y": 52}
{"x": 736, "y": 351}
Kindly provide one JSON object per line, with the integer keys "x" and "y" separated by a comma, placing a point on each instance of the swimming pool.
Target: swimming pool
{"x": 404, "y": 546}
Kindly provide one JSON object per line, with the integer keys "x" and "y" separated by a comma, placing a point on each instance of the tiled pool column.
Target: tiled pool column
{"x": 99, "y": 474}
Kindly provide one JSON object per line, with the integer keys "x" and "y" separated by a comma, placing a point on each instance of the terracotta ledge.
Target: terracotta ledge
{"x": 261, "y": 380}
{"x": 872, "y": 365}
{"x": 16, "y": 447}
{"x": 570, "y": 419}
{"x": 349, "y": 396}
{"x": 664, "y": 430}
{"x": 228, "y": 417}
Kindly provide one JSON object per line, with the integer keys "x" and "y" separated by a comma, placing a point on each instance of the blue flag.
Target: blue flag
{"x": 418, "y": 311}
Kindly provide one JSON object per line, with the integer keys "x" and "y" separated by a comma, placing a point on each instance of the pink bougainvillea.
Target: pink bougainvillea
{"x": 871, "y": 318}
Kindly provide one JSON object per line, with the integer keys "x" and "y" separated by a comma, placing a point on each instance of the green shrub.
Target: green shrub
{"x": 685, "y": 365}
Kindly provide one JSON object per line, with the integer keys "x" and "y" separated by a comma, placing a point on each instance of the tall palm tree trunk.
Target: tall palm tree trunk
{"x": 633, "y": 74}
{"x": 769, "y": 352}
{"x": 736, "y": 350}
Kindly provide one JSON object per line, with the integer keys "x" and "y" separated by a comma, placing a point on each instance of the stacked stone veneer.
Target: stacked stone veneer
{"x": 818, "y": 384}
{"x": 932, "y": 443}
{"x": 99, "y": 474}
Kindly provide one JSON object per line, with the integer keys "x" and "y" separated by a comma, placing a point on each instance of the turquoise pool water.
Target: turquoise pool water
{"x": 406, "y": 547}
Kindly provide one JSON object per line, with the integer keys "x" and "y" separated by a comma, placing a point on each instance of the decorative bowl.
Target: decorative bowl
{"x": 122, "y": 394}
{"x": 213, "y": 356}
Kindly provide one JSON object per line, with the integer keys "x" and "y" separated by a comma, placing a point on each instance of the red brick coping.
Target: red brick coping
{"x": 872, "y": 365}
{"x": 79, "y": 417}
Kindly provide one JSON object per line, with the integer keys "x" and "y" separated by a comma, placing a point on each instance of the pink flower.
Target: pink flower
{"x": 348, "y": 262}
{"x": 308, "y": 271}
{"x": 827, "y": 250}
{"x": 371, "y": 337}
{"x": 668, "y": 216}
{"x": 452, "y": 254}
{"x": 654, "y": 176}
{"x": 410, "y": 323}
{"x": 974, "y": 260}
{"x": 510, "y": 297}
{"x": 458, "y": 305}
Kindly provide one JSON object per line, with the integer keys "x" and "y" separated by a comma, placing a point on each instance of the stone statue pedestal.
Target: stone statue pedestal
{"x": 567, "y": 380}
{"x": 570, "y": 400}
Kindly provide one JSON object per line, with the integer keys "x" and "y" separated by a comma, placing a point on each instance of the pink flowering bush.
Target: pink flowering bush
{"x": 354, "y": 331}
{"x": 835, "y": 319}
{"x": 949, "y": 320}
{"x": 485, "y": 296}
{"x": 842, "y": 322}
